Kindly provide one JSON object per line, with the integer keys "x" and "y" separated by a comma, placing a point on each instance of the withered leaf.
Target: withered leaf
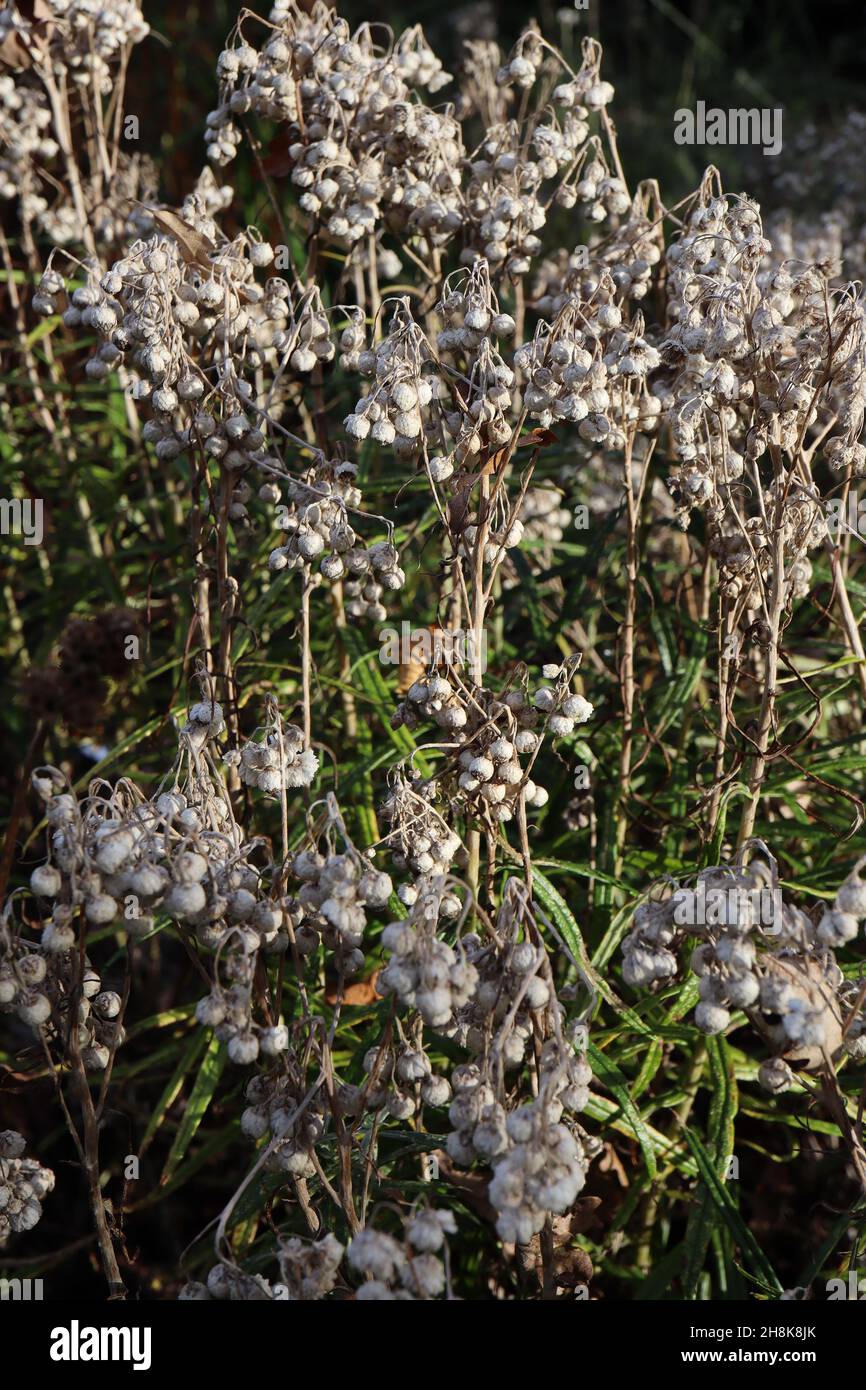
{"x": 473, "y": 1187}
{"x": 16, "y": 50}
{"x": 412, "y": 670}
{"x": 537, "y": 439}
{"x": 457, "y": 507}
{"x": 14, "y": 53}
{"x": 582, "y": 1215}
{"x": 195, "y": 247}
{"x": 459, "y": 503}
{"x": 363, "y": 992}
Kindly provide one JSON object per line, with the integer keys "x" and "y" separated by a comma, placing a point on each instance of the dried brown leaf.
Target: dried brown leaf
{"x": 195, "y": 247}
{"x": 363, "y": 992}
{"x": 16, "y": 50}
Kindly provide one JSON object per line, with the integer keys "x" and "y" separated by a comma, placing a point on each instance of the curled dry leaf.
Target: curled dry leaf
{"x": 17, "y": 48}
{"x": 362, "y": 992}
{"x": 195, "y": 247}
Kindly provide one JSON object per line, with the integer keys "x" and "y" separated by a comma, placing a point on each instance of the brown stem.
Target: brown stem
{"x": 306, "y": 661}
{"x": 768, "y": 699}
{"x": 633, "y": 499}
{"x": 90, "y": 1159}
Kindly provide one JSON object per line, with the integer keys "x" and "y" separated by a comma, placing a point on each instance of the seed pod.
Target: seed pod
{"x": 100, "y": 909}
{"x": 33, "y": 1008}
{"x": 45, "y": 881}
{"x": 185, "y": 900}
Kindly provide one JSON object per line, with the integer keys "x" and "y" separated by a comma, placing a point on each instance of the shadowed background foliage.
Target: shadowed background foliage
{"x": 807, "y": 57}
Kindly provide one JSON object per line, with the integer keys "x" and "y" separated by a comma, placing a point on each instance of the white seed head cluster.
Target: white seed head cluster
{"x": 446, "y": 417}
{"x": 309, "y": 1269}
{"x": 540, "y": 1173}
{"x": 477, "y": 423}
{"x": 392, "y": 1270}
{"x": 277, "y": 760}
{"x": 589, "y": 369}
{"x": 120, "y": 860}
{"x": 395, "y": 411}
{"x": 360, "y": 146}
{"x": 398, "y": 1080}
{"x": 25, "y": 140}
{"x": 398, "y": 1271}
{"x": 499, "y": 736}
{"x": 336, "y": 892}
{"x": 86, "y": 39}
{"x": 319, "y": 533}
{"x": 78, "y": 46}
{"x": 511, "y": 988}
{"x": 274, "y": 1108}
{"x": 744, "y": 553}
{"x": 509, "y": 178}
{"x": 39, "y": 982}
{"x": 203, "y": 339}
{"x": 470, "y": 312}
{"x": 24, "y": 1185}
{"x": 227, "y": 1283}
{"x": 543, "y": 515}
{"x": 229, "y": 1008}
{"x": 420, "y": 838}
{"x": 758, "y": 953}
{"x": 624, "y": 258}
{"x": 423, "y": 971}
{"x": 759, "y": 347}
{"x": 491, "y": 998}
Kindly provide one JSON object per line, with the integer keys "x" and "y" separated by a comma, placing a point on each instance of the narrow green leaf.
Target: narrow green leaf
{"x": 188, "y": 1058}
{"x": 611, "y": 1076}
{"x": 200, "y": 1098}
{"x": 720, "y": 1131}
{"x": 365, "y": 667}
{"x": 563, "y": 919}
{"x": 761, "y": 1267}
